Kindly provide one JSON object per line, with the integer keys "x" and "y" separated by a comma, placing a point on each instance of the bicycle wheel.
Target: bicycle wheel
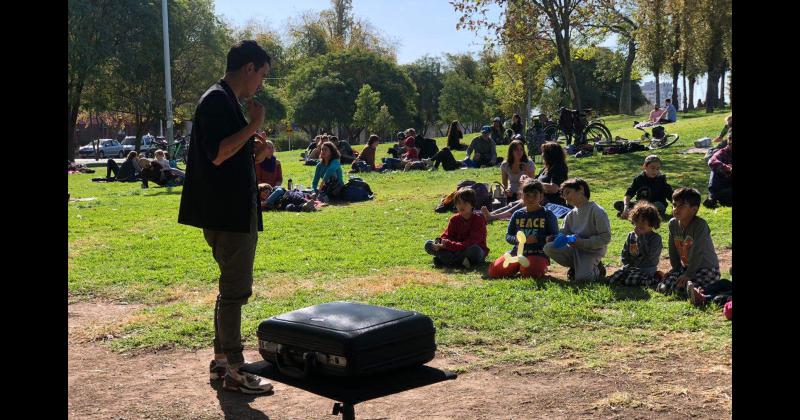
{"x": 551, "y": 133}
{"x": 597, "y": 133}
{"x": 667, "y": 141}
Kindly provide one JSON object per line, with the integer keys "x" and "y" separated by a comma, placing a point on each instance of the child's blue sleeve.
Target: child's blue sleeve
{"x": 511, "y": 233}
{"x": 551, "y": 223}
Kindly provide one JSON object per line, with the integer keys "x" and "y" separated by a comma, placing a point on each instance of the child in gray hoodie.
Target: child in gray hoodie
{"x": 691, "y": 251}
{"x": 589, "y": 230}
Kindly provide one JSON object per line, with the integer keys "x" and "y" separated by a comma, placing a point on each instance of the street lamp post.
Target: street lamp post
{"x": 167, "y": 74}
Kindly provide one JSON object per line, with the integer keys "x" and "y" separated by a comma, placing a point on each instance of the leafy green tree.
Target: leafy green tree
{"x": 322, "y": 91}
{"x": 367, "y": 107}
{"x": 426, "y": 73}
{"x": 712, "y": 35}
{"x": 652, "y": 38}
{"x": 92, "y": 35}
{"x": 383, "y": 123}
{"x": 461, "y": 99}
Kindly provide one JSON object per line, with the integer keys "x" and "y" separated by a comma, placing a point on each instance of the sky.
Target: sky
{"x": 419, "y": 27}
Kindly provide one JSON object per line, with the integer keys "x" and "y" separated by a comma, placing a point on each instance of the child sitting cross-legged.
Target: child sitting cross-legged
{"x": 464, "y": 239}
{"x": 642, "y": 248}
{"x": 650, "y": 185}
{"x": 537, "y": 223}
{"x": 691, "y": 251}
{"x": 588, "y": 229}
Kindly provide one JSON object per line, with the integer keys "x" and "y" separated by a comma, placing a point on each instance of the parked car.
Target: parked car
{"x": 105, "y": 148}
{"x": 148, "y": 146}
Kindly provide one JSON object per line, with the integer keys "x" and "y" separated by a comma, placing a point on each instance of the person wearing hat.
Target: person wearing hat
{"x": 485, "y": 150}
{"x": 399, "y": 148}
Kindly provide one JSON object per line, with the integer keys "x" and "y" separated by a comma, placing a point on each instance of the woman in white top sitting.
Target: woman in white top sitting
{"x": 513, "y": 170}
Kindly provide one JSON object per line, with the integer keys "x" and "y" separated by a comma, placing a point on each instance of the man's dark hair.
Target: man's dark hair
{"x": 247, "y": 51}
{"x": 465, "y": 195}
{"x": 533, "y": 185}
{"x": 334, "y": 139}
{"x": 646, "y": 212}
{"x": 575, "y": 183}
{"x": 373, "y": 139}
{"x": 668, "y": 100}
{"x": 689, "y": 196}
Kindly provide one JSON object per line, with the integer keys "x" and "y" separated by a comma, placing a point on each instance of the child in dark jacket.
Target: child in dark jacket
{"x": 464, "y": 240}
{"x": 537, "y": 223}
{"x": 650, "y": 185}
{"x": 642, "y": 248}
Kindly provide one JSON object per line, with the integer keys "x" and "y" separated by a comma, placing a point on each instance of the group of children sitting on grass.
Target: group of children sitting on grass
{"x": 581, "y": 242}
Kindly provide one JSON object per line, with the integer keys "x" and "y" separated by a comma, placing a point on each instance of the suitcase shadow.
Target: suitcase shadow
{"x": 236, "y": 405}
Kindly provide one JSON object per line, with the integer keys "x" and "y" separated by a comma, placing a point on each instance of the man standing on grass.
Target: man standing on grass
{"x": 220, "y": 195}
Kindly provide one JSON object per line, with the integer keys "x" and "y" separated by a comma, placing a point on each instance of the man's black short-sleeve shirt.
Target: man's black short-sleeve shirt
{"x": 218, "y": 197}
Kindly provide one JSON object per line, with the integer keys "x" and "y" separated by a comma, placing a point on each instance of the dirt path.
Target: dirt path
{"x": 173, "y": 384}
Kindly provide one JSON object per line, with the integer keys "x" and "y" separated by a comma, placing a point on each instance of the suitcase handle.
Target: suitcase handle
{"x": 309, "y": 362}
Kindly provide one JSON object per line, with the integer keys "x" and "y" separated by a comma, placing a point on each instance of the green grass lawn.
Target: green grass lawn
{"x": 126, "y": 245}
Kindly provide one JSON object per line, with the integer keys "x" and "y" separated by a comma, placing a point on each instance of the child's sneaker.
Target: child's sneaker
{"x": 246, "y": 383}
{"x": 217, "y": 369}
{"x": 466, "y": 263}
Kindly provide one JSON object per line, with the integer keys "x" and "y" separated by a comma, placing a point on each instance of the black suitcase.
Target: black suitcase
{"x": 346, "y": 339}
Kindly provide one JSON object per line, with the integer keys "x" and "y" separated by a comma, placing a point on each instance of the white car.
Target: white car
{"x": 106, "y": 148}
{"x": 148, "y": 146}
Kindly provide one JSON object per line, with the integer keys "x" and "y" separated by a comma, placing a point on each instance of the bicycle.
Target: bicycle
{"x": 659, "y": 140}
{"x": 571, "y": 121}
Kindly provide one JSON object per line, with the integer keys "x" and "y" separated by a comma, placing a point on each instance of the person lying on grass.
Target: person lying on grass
{"x": 650, "y": 185}
{"x": 642, "y": 248}
{"x": 128, "y": 172}
{"x": 536, "y": 223}
{"x": 588, "y": 232}
{"x": 463, "y": 242}
{"x": 691, "y": 251}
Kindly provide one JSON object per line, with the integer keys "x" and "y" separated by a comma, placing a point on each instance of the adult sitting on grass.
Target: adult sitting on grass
{"x": 128, "y": 172}
{"x": 398, "y": 148}
{"x": 721, "y": 139}
{"x": 554, "y": 172}
{"x": 655, "y": 116}
{"x": 366, "y": 160}
{"x": 497, "y": 130}
{"x": 589, "y": 231}
{"x": 512, "y": 170}
{"x": 454, "y": 136}
{"x": 463, "y": 242}
{"x": 328, "y": 170}
{"x": 269, "y": 170}
{"x": 346, "y": 154}
{"x": 484, "y": 148}
{"x": 221, "y": 197}
{"x": 670, "y": 114}
{"x": 410, "y": 156}
{"x": 516, "y": 124}
{"x": 720, "y": 186}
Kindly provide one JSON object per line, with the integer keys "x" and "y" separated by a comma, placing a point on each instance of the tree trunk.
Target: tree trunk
{"x": 658, "y": 89}
{"x": 685, "y": 107}
{"x": 676, "y": 68}
{"x": 692, "y": 80}
{"x": 711, "y": 91}
{"x": 675, "y": 76}
{"x": 562, "y": 45}
{"x": 527, "y": 111}
{"x": 72, "y": 119}
{"x": 722, "y": 88}
{"x": 139, "y": 129}
{"x": 625, "y": 102}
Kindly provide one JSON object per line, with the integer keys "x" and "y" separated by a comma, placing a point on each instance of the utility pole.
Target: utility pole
{"x": 167, "y": 74}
